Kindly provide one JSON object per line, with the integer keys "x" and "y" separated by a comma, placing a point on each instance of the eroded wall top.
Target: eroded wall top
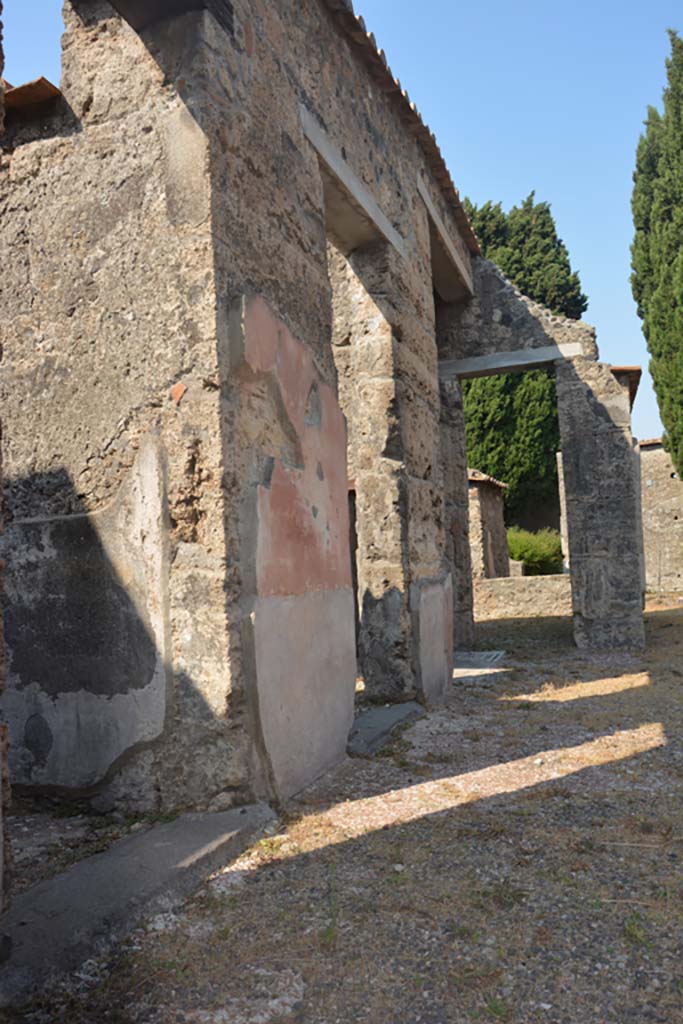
{"x": 501, "y": 319}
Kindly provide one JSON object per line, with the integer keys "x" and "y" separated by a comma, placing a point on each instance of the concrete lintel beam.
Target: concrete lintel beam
{"x": 508, "y": 362}
{"x": 459, "y": 269}
{"x": 360, "y": 201}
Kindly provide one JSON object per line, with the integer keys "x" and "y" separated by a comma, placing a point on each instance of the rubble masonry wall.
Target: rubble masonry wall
{"x": 488, "y": 536}
{"x": 171, "y": 202}
{"x": 662, "y": 502}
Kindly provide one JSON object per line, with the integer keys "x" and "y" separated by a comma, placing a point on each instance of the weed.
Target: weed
{"x": 69, "y": 810}
{"x": 498, "y": 1009}
{"x": 475, "y": 978}
{"x": 269, "y": 848}
{"x": 503, "y": 894}
{"x": 462, "y": 931}
{"x": 634, "y": 929}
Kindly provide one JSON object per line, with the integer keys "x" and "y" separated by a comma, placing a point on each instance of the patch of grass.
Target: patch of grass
{"x": 269, "y": 848}
{"x": 634, "y": 929}
{"x": 503, "y": 894}
{"x": 498, "y": 1009}
{"x": 69, "y": 809}
{"x": 475, "y": 978}
{"x": 463, "y": 931}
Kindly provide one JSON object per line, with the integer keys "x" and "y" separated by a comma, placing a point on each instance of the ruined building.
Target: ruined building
{"x": 662, "y": 501}
{"x": 238, "y": 284}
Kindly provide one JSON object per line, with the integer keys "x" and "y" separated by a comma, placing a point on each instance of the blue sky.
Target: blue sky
{"x": 534, "y": 95}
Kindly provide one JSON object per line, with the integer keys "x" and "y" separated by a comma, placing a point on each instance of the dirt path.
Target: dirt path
{"x": 516, "y": 856}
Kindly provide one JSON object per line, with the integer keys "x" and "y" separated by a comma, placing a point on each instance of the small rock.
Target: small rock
{"x": 222, "y": 802}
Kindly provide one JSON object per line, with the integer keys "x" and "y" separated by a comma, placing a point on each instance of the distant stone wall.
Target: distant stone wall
{"x": 522, "y": 597}
{"x": 488, "y": 536}
{"x": 662, "y": 501}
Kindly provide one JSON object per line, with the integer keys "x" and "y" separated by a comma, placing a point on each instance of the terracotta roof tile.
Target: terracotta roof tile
{"x": 475, "y": 476}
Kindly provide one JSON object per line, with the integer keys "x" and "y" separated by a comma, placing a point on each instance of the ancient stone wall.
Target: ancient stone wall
{"x": 488, "y": 536}
{"x": 294, "y": 141}
{"x": 227, "y": 232}
{"x": 522, "y": 597}
{"x": 662, "y": 504}
{"x": 500, "y": 319}
{"x": 115, "y": 489}
{"x": 4, "y": 751}
{"x": 602, "y": 500}
{"x": 169, "y": 297}
{"x": 600, "y": 472}
{"x": 456, "y": 509}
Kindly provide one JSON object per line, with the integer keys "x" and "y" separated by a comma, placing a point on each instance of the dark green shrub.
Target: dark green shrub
{"x": 541, "y": 552}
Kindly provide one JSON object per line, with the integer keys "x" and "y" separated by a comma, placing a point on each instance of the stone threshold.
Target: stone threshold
{"x": 56, "y": 925}
{"x": 373, "y": 728}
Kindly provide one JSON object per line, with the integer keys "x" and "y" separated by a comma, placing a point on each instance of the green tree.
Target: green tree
{"x": 511, "y": 419}
{"x": 657, "y": 250}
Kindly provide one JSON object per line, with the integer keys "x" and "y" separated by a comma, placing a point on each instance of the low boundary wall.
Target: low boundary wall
{"x": 522, "y": 597}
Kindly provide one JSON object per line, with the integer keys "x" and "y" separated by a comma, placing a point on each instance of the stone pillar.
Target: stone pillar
{"x": 363, "y": 346}
{"x": 602, "y": 508}
{"x": 385, "y": 354}
{"x": 456, "y": 511}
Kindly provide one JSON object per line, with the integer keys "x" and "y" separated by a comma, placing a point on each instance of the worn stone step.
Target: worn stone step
{"x": 372, "y": 728}
{"x": 57, "y": 924}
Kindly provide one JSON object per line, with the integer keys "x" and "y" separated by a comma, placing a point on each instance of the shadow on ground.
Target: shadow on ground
{"x": 514, "y": 856}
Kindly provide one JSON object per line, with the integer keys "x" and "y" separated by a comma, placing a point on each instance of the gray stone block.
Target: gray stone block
{"x": 372, "y": 728}
{"x": 56, "y": 925}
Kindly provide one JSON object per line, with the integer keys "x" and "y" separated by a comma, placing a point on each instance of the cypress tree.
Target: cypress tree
{"x": 657, "y": 250}
{"x": 511, "y": 419}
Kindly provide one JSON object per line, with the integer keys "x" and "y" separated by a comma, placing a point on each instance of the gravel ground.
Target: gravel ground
{"x": 515, "y": 856}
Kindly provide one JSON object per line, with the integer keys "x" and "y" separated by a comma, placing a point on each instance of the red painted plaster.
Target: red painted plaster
{"x": 303, "y": 527}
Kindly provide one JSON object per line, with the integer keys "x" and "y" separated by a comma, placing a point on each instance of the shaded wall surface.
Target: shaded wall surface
{"x": 662, "y": 502}
{"x": 488, "y": 536}
{"x": 453, "y": 456}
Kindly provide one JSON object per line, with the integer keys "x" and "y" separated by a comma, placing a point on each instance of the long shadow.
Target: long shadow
{"x": 534, "y": 894}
